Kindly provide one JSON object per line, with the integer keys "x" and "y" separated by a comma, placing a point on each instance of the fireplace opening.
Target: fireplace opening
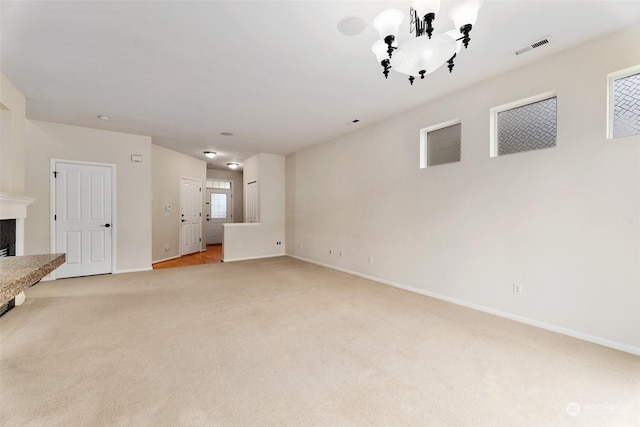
{"x": 7, "y": 237}
{"x": 7, "y": 248}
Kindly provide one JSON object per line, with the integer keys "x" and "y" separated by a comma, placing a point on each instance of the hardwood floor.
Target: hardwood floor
{"x": 212, "y": 255}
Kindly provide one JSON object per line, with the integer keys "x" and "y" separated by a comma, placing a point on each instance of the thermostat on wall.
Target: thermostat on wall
{"x": 136, "y": 158}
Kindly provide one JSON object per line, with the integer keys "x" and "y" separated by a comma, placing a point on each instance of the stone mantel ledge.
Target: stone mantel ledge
{"x": 17, "y": 273}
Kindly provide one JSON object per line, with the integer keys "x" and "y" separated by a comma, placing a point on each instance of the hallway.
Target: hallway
{"x": 212, "y": 255}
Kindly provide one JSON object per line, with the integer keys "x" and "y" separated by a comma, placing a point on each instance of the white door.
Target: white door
{"x": 220, "y": 211}
{"x": 82, "y": 218}
{"x": 253, "y": 214}
{"x": 190, "y": 215}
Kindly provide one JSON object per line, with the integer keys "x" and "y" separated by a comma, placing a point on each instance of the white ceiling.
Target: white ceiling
{"x": 278, "y": 74}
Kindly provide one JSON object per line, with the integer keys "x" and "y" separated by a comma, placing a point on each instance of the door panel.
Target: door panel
{"x": 220, "y": 211}
{"x": 83, "y": 231}
{"x": 190, "y": 215}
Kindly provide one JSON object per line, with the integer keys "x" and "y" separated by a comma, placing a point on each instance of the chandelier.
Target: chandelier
{"x": 427, "y": 51}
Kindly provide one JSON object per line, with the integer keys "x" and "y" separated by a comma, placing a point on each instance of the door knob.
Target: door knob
{"x": 107, "y": 225}
{"x": 184, "y": 220}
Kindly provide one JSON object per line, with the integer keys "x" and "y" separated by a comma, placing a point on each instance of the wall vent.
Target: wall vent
{"x": 540, "y": 42}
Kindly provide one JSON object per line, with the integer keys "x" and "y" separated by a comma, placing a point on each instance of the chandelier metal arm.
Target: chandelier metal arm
{"x": 465, "y": 30}
{"x": 389, "y": 41}
{"x": 386, "y": 64}
{"x": 450, "y": 64}
{"x": 421, "y": 26}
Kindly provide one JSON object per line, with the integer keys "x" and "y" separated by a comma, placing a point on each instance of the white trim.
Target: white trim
{"x": 230, "y": 202}
{"x": 203, "y": 198}
{"x": 424, "y": 162}
{"x": 553, "y": 328}
{"x": 255, "y": 257}
{"x": 14, "y": 206}
{"x": 133, "y": 270}
{"x": 611, "y": 77}
{"x": 165, "y": 259}
{"x": 52, "y": 208}
{"x": 493, "y": 117}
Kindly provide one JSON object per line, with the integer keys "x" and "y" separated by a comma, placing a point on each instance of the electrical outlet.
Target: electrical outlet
{"x": 340, "y": 254}
{"x": 370, "y": 259}
{"x": 517, "y": 289}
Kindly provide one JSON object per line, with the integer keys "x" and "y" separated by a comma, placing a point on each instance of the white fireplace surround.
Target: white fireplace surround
{"x": 13, "y": 206}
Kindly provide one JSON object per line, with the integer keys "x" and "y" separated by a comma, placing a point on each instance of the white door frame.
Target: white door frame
{"x": 52, "y": 207}
{"x": 207, "y": 205}
{"x": 200, "y": 227}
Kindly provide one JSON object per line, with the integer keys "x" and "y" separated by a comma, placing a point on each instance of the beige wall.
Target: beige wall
{"x": 12, "y": 138}
{"x": 168, "y": 167}
{"x": 259, "y": 240}
{"x": 132, "y": 216}
{"x": 563, "y": 222}
{"x": 236, "y": 178}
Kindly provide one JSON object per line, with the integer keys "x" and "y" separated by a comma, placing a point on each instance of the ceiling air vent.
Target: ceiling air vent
{"x": 535, "y": 44}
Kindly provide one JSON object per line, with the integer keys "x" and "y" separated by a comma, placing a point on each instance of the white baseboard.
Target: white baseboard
{"x": 253, "y": 257}
{"x": 133, "y": 270}
{"x": 554, "y": 328}
{"x": 165, "y": 259}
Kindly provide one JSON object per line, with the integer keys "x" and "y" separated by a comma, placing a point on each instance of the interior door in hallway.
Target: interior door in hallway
{"x": 83, "y": 218}
{"x": 220, "y": 211}
{"x": 190, "y": 215}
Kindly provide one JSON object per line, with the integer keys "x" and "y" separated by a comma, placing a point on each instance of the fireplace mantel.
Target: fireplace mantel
{"x": 13, "y": 206}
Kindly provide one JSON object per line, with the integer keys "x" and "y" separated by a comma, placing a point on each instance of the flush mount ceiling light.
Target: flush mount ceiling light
{"x": 226, "y": 133}
{"x": 210, "y": 154}
{"x": 103, "y": 117}
{"x": 351, "y": 25}
{"x": 427, "y": 51}
{"x": 233, "y": 165}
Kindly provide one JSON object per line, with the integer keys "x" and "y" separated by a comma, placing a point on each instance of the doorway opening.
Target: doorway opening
{"x": 219, "y": 209}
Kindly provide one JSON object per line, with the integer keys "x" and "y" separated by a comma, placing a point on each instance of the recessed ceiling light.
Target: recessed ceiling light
{"x": 103, "y": 117}
{"x": 351, "y": 25}
{"x": 210, "y": 154}
{"x": 233, "y": 165}
{"x": 226, "y": 133}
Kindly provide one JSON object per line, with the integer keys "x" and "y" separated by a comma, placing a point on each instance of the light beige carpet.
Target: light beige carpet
{"x": 279, "y": 342}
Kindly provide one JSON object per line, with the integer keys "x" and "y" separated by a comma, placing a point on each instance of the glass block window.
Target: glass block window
{"x": 218, "y": 205}
{"x": 220, "y": 185}
{"x": 440, "y": 144}
{"x": 626, "y": 106}
{"x": 532, "y": 126}
{"x": 443, "y": 145}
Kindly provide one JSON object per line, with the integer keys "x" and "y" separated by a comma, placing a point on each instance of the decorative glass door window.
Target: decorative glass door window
{"x": 218, "y": 205}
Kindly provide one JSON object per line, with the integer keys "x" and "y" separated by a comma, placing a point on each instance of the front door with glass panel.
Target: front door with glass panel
{"x": 219, "y": 210}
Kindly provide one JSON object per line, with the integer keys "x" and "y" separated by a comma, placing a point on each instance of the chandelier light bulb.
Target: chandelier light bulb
{"x": 379, "y": 48}
{"x": 388, "y": 22}
{"x": 455, "y": 34}
{"x": 465, "y": 13}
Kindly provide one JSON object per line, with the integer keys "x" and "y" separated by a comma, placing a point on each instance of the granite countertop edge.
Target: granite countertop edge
{"x": 20, "y": 272}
